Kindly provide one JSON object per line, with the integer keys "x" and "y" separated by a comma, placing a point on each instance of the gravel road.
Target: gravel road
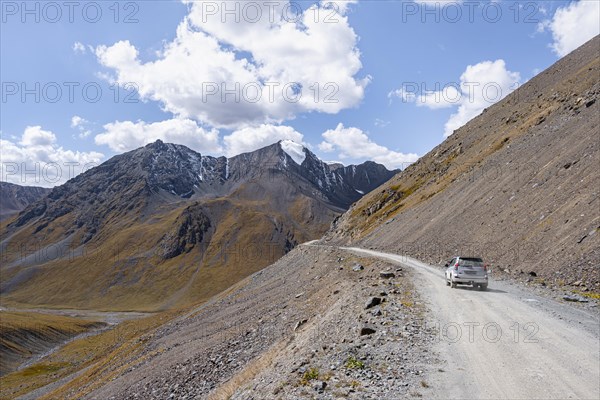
{"x": 505, "y": 343}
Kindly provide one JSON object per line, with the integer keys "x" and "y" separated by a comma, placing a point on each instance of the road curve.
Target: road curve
{"x": 505, "y": 343}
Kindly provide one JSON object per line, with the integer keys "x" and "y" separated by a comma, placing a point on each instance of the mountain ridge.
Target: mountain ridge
{"x": 14, "y": 198}
{"x": 164, "y": 207}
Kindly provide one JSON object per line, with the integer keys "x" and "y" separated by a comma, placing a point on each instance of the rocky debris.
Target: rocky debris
{"x": 320, "y": 386}
{"x": 376, "y": 312}
{"x": 193, "y": 356}
{"x": 387, "y": 274}
{"x": 357, "y": 267}
{"x": 367, "y": 330}
{"x": 299, "y": 324}
{"x": 372, "y": 302}
{"x": 575, "y": 298}
{"x": 360, "y": 354}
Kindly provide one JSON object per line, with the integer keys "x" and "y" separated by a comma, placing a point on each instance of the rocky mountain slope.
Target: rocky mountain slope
{"x": 308, "y": 325}
{"x": 163, "y": 225}
{"x": 14, "y": 198}
{"x": 518, "y": 185}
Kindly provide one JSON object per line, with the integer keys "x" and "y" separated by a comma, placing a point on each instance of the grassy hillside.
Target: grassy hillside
{"x": 25, "y": 334}
{"x": 92, "y": 353}
{"x": 146, "y": 266}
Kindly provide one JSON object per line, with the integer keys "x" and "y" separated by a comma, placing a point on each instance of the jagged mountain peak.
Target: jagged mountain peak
{"x": 175, "y": 206}
{"x": 296, "y": 151}
{"x": 165, "y": 172}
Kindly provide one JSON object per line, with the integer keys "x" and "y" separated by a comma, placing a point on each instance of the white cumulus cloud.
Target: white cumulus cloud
{"x": 37, "y": 160}
{"x": 573, "y": 25}
{"x": 352, "y": 143}
{"x": 80, "y": 124}
{"x": 271, "y": 65}
{"x": 481, "y": 85}
{"x": 123, "y": 136}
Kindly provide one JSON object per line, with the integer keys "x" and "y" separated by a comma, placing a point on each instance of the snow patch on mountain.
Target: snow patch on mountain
{"x": 294, "y": 150}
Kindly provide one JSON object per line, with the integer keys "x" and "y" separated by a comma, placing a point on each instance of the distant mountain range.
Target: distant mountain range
{"x": 14, "y": 198}
{"x": 164, "y": 225}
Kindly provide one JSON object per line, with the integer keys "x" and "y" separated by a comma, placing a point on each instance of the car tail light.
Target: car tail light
{"x": 485, "y": 267}
{"x": 456, "y": 266}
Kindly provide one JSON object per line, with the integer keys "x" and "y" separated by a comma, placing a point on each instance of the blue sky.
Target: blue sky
{"x": 370, "y": 56}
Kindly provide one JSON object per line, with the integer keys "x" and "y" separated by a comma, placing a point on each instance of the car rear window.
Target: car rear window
{"x": 470, "y": 262}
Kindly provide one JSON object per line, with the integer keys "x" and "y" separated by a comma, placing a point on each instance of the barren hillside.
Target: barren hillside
{"x": 518, "y": 185}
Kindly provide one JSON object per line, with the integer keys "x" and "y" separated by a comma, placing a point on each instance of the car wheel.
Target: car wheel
{"x": 452, "y": 284}
{"x": 483, "y": 287}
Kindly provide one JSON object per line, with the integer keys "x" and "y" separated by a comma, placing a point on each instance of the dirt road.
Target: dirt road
{"x": 506, "y": 343}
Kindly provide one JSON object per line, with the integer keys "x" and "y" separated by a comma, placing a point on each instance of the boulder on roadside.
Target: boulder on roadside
{"x": 387, "y": 274}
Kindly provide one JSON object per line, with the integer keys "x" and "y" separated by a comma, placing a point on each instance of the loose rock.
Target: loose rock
{"x": 357, "y": 267}
{"x": 372, "y": 302}
{"x": 575, "y": 298}
{"x": 367, "y": 330}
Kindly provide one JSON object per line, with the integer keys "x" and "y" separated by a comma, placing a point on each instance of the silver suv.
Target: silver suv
{"x": 467, "y": 271}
